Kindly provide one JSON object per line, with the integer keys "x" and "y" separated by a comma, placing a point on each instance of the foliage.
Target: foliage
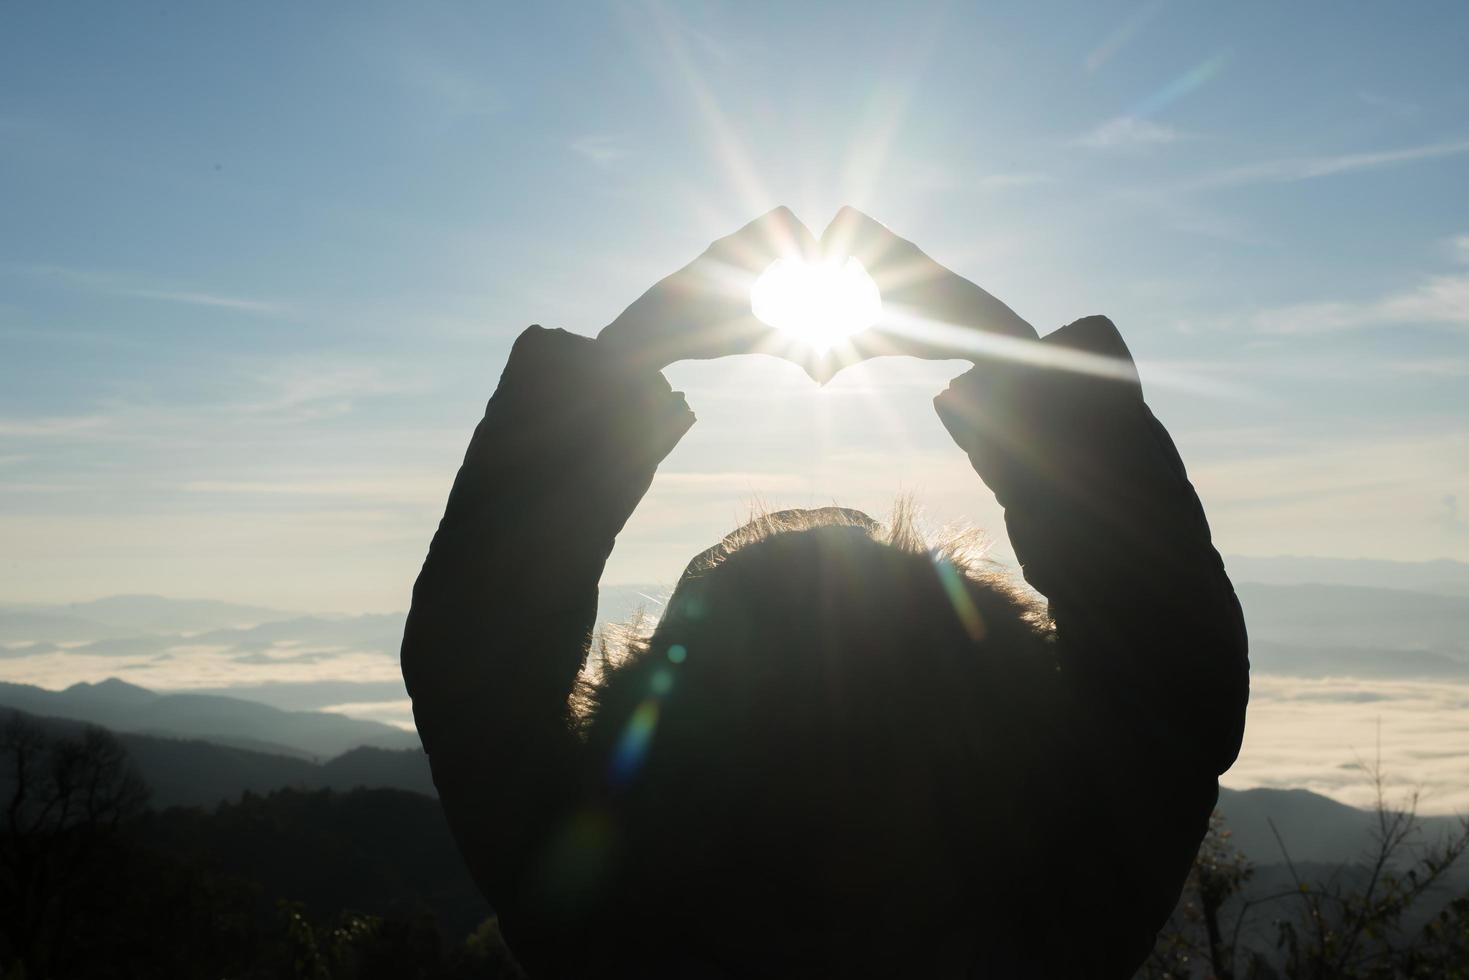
{"x": 320, "y": 885}
{"x": 68, "y": 797}
{"x": 1355, "y": 924}
{"x": 365, "y": 885}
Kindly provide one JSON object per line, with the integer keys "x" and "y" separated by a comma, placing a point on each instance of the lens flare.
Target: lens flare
{"x": 953, "y": 584}
{"x": 816, "y": 303}
{"x": 632, "y": 747}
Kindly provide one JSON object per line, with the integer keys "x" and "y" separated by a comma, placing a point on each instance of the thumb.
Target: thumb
{"x": 774, "y": 234}
{"x": 853, "y": 233}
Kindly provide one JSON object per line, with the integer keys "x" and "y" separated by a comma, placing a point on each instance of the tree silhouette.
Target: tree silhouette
{"x": 1355, "y": 924}
{"x": 68, "y": 795}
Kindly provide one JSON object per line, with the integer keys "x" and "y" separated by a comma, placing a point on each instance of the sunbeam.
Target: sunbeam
{"x": 969, "y": 342}
{"x": 887, "y": 109}
{"x": 726, "y": 147}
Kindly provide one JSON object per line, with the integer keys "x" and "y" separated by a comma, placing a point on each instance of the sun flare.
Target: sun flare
{"x": 817, "y": 303}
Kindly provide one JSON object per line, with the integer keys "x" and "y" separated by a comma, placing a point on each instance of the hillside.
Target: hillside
{"x": 381, "y": 851}
{"x": 131, "y": 614}
{"x": 242, "y": 831}
{"x": 1314, "y": 828}
{"x": 1440, "y": 577}
{"x": 194, "y": 772}
{"x": 124, "y": 707}
{"x": 1357, "y": 617}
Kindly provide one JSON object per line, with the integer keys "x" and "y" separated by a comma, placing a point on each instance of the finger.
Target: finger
{"x": 824, "y": 366}
{"x": 773, "y": 235}
{"x": 853, "y": 233}
{"x": 808, "y": 359}
{"x": 909, "y": 277}
{"x": 739, "y": 333}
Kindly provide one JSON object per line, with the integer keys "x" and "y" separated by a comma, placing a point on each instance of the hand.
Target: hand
{"x": 927, "y": 310}
{"x": 703, "y": 310}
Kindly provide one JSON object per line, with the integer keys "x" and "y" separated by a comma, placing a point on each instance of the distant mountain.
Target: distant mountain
{"x": 43, "y": 627}
{"x": 372, "y": 768}
{"x": 150, "y": 641}
{"x": 194, "y": 772}
{"x": 1441, "y": 577}
{"x": 372, "y": 632}
{"x": 271, "y": 642}
{"x": 1329, "y": 616}
{"x": 309, "y": 695}
{"x": 1374, "y": 627}
{"x": 1314, "y": 828}
{"x": 132, "y": 625}
{"x": 1317, "y": 661}
{"x": 140, "y": 613}
{"x": 125, "y": 707}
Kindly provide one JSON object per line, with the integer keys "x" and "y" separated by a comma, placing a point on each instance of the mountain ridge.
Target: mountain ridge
{"x": 201, "y": 772}
{"x": 1315, "y": 829}
{"x": 123, "y": 707}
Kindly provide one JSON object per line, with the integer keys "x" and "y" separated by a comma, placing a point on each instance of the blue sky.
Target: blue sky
{"x": 260, "y": 265}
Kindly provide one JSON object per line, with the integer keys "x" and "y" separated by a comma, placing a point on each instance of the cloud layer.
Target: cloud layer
{"x": 1325, "y": 734}
{"x": 1307, "y": 730}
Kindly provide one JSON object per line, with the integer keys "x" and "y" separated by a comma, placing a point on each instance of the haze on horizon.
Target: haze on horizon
{"x": 259, "y": 275}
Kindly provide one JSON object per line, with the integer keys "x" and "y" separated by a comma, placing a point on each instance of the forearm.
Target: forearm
{"x": 1108, "y": 528}
{"x": 505, "y": 602}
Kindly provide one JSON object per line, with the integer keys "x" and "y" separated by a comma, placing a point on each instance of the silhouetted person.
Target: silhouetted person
{"x": 840, "y": 753}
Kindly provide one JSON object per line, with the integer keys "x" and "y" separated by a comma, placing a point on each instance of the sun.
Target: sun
{"x": 819, "y": 303}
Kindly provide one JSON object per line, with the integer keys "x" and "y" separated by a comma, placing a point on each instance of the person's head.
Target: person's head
{"x": 818, "y": 746}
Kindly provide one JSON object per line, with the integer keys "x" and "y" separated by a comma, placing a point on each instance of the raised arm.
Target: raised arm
{"x": 1107, "y": 527}
{"x": 1099, "y": 509}
{"x": 505, "y": 604}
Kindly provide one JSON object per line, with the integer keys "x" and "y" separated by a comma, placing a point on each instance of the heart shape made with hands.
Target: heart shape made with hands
{"x": 818, "y": 303}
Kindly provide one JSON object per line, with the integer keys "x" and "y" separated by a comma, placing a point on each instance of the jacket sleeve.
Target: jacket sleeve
{"x": 1107, "y": 527}
{"x": 504, "y": 606}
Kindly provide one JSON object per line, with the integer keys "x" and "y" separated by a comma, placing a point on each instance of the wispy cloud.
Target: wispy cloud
{"x": 930, "y": 177}
{"x": 1307, "y": 168}
{"x": 282, "y": 399}
{"x": 442, "y": 87}
{"x": 1371, "y": 493}
{"x": 1438, "y": 299}
{"x": 50, "y": 427}
{"x": 1128, "y": 132}
{"x": 1449, "y": 517}
{"x": 208, "y": 299}
{"x": 427, "y": 489}
{"x": 1318, "y": 471}
{"x": 1401, "y": 108}
{"x": 308, "y": 387}
{"x": 1443, "y": 367}
{"x": 125, "y": 284}
{"x": 603, "y": 149}
{"x": 1005, "y": 182}
{"x": 1435, "y": 298}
